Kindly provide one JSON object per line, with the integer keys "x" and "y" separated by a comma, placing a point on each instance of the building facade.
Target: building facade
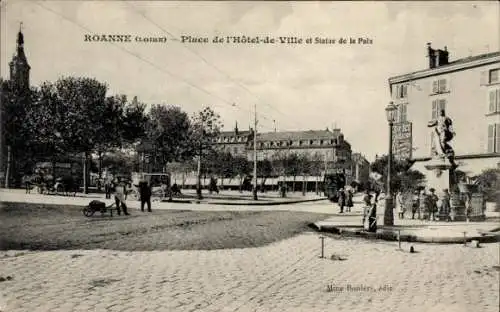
{"x": 468, "y": 90}
{"x": 318, "y": 145}
{"x": 360, "y": 168}
{"x": 234, "y": 142}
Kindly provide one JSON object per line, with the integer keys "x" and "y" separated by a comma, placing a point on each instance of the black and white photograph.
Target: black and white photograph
{"x": 259, "y": 156}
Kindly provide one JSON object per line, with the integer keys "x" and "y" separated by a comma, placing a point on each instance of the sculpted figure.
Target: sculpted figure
{"x": 443, "y": 133}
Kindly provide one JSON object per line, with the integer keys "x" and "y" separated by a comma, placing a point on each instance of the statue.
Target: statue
{"x": 443, "y": 133}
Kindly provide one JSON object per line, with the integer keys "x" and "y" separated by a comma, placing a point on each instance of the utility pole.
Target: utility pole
{"x": 255, "y": 154}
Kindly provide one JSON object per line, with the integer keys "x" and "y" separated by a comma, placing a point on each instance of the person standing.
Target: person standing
{"x": 433, "y": 199}
{"x": 400, "y": 205}
{"x": 349, "y": 203}
{"x": 445, "y": 205}
{"x": 367, "y": 200}
{"x": 120, "y": 198}
{"x": 415, "y": 203}
{"x": 423, "y": 203}
{"x": 342, "y": 200}
{"x": 145, "y": 194}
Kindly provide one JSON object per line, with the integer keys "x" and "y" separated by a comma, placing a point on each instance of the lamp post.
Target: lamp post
{"x": 390, "y": 111}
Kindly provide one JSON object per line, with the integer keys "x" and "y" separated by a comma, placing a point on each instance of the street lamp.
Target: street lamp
{"x": 390, "y": 111}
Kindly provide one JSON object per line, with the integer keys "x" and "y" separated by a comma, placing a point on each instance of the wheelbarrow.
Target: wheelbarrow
{"x": 97, "y": 206}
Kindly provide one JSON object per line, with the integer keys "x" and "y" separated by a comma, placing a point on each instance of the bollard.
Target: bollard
{"x": 465, "y": 239}
{"x": 322, "y": 246}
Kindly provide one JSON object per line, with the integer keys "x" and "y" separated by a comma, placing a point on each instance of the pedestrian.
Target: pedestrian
{"x": 342, "y": 200}
{"x": 400, "y": 205}
{"x": 445, "y": 205}
{"x": 145, "y": 194}
{"x": 423, "y": 203}
{"x": 372, "y": 218}
{"x": 349, "y": 203}
{"x": 119, "y": 190}
{"x": 367, "y": 200}
{"x": 415, "y": 203}
{"x": 432, "y": 203}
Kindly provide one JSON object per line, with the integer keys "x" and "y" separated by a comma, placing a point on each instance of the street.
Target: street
{"x": 180, "y": 260}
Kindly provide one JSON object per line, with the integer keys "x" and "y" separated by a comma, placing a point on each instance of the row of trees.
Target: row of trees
{"x": 77, "y": 117}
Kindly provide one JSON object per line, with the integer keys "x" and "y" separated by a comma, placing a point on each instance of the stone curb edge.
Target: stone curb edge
{"x": 390, "y": 235}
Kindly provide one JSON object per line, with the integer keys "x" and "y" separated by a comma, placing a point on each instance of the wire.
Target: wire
{"x": 227, "y": 76}
{"x": 143, "y": 59}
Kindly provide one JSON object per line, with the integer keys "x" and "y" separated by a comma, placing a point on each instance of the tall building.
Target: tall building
{"x": 234, "y": 142}
{"x": 468, "y": 90}
{"x": 20, "y": 82}
{"x": 19, "y": 67}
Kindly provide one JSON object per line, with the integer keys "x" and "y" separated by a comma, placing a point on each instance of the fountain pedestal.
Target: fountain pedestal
{"x": 442, "y": 178}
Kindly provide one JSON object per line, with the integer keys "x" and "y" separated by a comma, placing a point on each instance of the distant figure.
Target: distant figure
{"x": 145, "y": 195}
{"x": 342, "y": 200}
{"x": 119, "y": 190}
{"x": 445, "y": 205}
{"x": 415, "y": 204}
{"x": 349, "y": 202}
{"x": 400, "y": 205}
{"x": 432, "y": 200}
{"x": 377, "y": 194}
{"x": 176, "y": 191}
{"x": 423, "y": 202}
{"x": 367, "y": 200}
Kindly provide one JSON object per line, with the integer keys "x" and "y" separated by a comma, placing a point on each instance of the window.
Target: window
{"x": 494, "y": 102}
{"x": 437, "y": 107}
{"x": 494, "y": 138}
{"x": 402, "y": 112}
{"x": 439, "y": 86}
{"x": 493, "y": 78}
{"x": 401, "y": 91}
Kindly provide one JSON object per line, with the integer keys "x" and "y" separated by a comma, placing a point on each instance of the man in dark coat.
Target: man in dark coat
{"x": 145, "y": 195}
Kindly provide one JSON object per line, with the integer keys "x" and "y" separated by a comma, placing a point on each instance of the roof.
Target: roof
{"x": 233, "y": 133}
{"x": 298, "y": 135}
{"x": 462, "y": 61}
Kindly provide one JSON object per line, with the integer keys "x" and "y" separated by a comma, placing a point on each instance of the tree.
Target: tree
{"x": 84, "y": 103}
{"x": 168, "y": 131}
{"x": 403, "y": 178}
{"x": 489, "y": 183}
{"x": 134, "y": 122}
{"x": 205, "y": 128}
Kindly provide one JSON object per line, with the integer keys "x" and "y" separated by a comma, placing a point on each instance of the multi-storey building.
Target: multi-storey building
{"x": 360, "y": 168}
{"x": 468, "y": 89}
{"x": 234, "y": 142}
{"x": 320, "y": 145}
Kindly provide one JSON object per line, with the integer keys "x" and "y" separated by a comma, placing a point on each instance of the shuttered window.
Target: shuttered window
{"x": 439, "y": 86}
{"x": 494, "y": 138}
{"x": 494, "y": 101}
{"x": 494, "y": 76}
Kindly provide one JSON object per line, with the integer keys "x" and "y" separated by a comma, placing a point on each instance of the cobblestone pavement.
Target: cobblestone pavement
{"x": 285, "y": 276}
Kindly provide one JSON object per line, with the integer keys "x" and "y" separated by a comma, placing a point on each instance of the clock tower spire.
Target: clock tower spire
{"x": 19, "y": 67}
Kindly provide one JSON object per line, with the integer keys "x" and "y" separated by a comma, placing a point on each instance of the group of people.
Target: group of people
{"x": 425, "y": 205}
{"x": 119, "y": 189}
{"x": 345, "y": 200}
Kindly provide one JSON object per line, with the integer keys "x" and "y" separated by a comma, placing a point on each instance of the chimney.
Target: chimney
{"x": 431, "y": 54}
{"x": 442, "y": 57}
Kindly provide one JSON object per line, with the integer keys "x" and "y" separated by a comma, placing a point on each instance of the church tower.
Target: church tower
{"x": 19, "y": 67}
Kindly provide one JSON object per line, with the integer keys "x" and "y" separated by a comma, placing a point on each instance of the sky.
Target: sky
{"x": 292, "y": 86}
